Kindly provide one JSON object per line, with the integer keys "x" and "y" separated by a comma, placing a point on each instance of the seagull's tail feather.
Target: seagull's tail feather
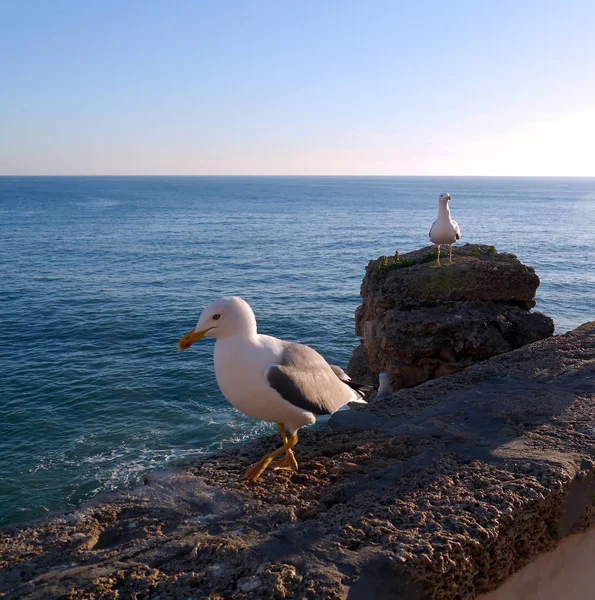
{"x": 361, "y": 389}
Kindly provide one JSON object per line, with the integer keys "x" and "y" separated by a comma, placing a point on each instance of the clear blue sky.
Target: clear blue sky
{"x": 311, "y": 87}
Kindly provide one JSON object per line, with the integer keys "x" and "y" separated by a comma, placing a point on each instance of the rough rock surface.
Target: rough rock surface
{"x": 417, "y": 323}
{"x": 437, "y": 492}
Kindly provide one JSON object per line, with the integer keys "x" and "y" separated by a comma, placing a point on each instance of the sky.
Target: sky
{"x": 275, "y": 87}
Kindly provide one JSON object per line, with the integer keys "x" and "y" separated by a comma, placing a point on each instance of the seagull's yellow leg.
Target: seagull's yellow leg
{"x": 288, "y": 461}
{"x": 450, "y": 257}
{"x": 253, "y": 473}
{"x": 437, "y": 265}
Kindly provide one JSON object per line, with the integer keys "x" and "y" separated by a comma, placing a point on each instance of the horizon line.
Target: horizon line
{"x": 304, "y": 176}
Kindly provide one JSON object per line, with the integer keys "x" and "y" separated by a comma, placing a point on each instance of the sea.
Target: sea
{"x": 100, "y": 276}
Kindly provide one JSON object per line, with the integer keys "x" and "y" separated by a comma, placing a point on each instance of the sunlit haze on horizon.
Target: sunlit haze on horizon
{"x": 311, "y": 88}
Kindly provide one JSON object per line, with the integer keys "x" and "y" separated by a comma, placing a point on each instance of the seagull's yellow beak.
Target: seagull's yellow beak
{"x": 190, "y": 338}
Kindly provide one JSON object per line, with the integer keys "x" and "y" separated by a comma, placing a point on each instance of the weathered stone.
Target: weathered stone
{"x": 189, "y": 578}
{"x": 248, "y": 584}
{"x": 460, "y": 482}
{"x": 418, "y": 323}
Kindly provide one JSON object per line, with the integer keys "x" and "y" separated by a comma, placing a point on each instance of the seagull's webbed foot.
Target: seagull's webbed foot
{"x": 287, "y": 462}
{"x": 436, "y": 265}
{"x": 254, "y": 472}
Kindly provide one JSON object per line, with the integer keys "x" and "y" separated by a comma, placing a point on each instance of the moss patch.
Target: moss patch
{"x": 389, "y": 263}
{"x": 430, "y": 256}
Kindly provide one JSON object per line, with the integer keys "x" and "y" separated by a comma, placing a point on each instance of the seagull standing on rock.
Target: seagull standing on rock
{"x": 384, "y": 387}
{"x": 270, "y": 379}
{"x": 444, "y": 230}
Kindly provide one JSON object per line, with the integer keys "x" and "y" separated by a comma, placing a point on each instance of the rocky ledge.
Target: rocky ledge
{"x": 417, "y": 323}
{"x": 437, "y": 492}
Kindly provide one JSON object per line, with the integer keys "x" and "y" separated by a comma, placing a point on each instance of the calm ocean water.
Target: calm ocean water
{"x": 99, "y": 277}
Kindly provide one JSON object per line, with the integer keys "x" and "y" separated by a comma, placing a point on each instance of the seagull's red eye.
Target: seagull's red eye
{"x": 216, "y": 317}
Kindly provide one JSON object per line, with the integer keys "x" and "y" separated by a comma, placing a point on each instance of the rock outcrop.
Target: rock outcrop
{"x": 417, "y": 323}
{"x": 439, "y": 492}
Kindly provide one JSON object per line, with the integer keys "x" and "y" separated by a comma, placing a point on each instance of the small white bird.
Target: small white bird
{"x": 384, "y": 387}
{"x": 444, "y": 230}
{"x": 270, "y": 379}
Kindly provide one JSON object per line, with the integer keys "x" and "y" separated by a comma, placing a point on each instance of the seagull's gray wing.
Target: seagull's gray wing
{"x": 305, "y": 379}
{"x": 457, "y": 230}
{"x": 430, "y": 232}
{"x": 338, "y": 371}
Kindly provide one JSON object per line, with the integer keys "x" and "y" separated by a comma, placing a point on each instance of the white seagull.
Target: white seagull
{"x": 270, "y": 379}
{"x": 444, "y": 230}
{"x": 384, "y": 387}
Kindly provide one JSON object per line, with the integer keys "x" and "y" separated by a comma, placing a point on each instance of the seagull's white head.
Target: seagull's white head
{"x": 222, "y": 318}
{"x": 444, "y": 198}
